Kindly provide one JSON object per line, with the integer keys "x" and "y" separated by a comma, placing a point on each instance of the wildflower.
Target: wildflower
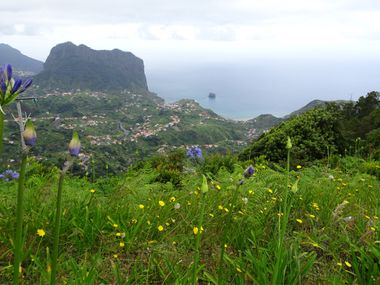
{"x": 211, "y": 215}
{"x": 161, "y": 203}
{"x": 251, "y": 192}
{"x": 141, "y": 206}
{"x": 249, "y": 171}
{"x": 194, "y": 152}
{"x": 238, "y": 270}
{"x": 92, "y": 190}
{"x": 312, "y": 216}
{"x": 9, "y": 174}
{"x": 270, "y": 190}
{"x": 134, "y": 221}
{"x": 220, "y": 207}
{"x": 115, "y": 225}
{"x": 339, "y": 264}
{"x": 10, "y": 88}
{"x": 29, "y": 134}
{"x": 160, "y": 228}
{"x": 299, "y": 166}
{"x": 226, "y": 210}
{"x": 225, "y": 245}
{"x": 115, "y": 256}
{"x": 245, "y": 200}
{"x": 195, "y": 230}
{"x": 121, "y": 244}
{"x": 118, "y": 234}
{"x": 348, "y": 264}
{"x": 177, "y": 206}
{"x": 172, "y": 199}
{"x": 299, "y": 221}
{"x": 218, "y": 187}
{"x": 74, "y": 146}
{"x": 41, "y": 232}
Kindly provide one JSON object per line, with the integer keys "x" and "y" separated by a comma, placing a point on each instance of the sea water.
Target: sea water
{"x": 245, "y": 90}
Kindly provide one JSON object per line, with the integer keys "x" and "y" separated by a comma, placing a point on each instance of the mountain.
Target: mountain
{"x": 22, "y": 64}
{"x": 71, "y": 67}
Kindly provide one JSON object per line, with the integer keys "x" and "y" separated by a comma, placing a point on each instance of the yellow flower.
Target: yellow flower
{"x": 134, "y": 221}
{"x": 118, "y": 234}
{"x": 311, "y": 216}
{"x": 160, "y": 228}
{"x": 48, "y": 268}
{"x": 251, "y": 192}
{"x": 211, "y": 215}
{"x": 348, "y": 264}
{"x": 172, "y": 199}
{"x": 161, "y": 203}
{"x": 270, "y": 190}
{"x": 41, "y": 232}
{"x": 225, "y": 245}
{"x": 339, "y": 264}
{"x": 92, "y": 190}
{"x": 115, "y": 256}
{"x": 299, "y": 221}
{"x": 115, "y": 225}
{"x": 141, "y": 206}
{"x": 238, "y": 270}
{"x": 218, "y": 187}
{"x": 299, "y": 166}
{"x": 121, "y": 244}
{"x": 195, "y": 230}
{"x": 226, "y": 210}
{"x": 220, "y": 207}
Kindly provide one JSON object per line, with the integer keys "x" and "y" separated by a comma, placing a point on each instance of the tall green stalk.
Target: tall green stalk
{"x": 1, "y": 134}
{"x": 57, "y": 224}
{"x": 19, "y": 219}
{"x": 200, "y": 227}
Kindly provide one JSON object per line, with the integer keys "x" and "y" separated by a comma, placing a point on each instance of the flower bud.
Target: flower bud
{"x": 74, "y": 146}
{"x": 249, "y": 171}
{"x": 29, "y": 134}
{"x": 289, "y": 143}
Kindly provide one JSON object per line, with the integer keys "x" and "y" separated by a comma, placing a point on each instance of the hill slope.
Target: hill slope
{"x": 21, "y": 63}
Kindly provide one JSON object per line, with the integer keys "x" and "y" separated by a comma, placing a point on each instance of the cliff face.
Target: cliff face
{"x": 79, "y": 67}
{"x": 21, "y": 63}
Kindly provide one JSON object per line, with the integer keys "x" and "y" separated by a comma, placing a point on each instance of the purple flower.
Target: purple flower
{"x": 29, "y": 134}
{"x": 9, "y": 175}
{"x": 249, "y": 171}
{"x": 194, "y": 152}
{"x": 9, "y": 72}
{"x": 16, "y": 86}
{"x": 74, "y": 146}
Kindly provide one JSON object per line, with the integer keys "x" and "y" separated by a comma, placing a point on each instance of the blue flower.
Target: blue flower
{"x": 9, "y": 174}
{"x": 9, "y": 87}
{"x": 249, "y": 171}
{"x": 194, "y": 152}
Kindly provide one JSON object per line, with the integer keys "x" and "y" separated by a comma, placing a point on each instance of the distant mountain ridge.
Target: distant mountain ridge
{"x": 20, "y": 62}
{"x": 71, "y": 67}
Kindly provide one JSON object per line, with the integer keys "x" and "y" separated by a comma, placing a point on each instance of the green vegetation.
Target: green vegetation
{"x": 138, "y": 228}
{"x": 344, "y": 128}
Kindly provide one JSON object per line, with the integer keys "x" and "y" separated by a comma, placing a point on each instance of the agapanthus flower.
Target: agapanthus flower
{"x": 194, "y": 152}
{"x": 74, "y": 146}
{"x": 9, "y": 175}
{"x": 9, "y": 87}
{"x": 249, "y": 171}
{"x": 29, "y": 134}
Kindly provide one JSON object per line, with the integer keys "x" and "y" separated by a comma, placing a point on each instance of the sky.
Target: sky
{"x": 258, "y": 55}
{"x": 209, "y": 29}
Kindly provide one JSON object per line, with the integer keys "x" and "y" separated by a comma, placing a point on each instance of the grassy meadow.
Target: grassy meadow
{"x": 312, "y": 225}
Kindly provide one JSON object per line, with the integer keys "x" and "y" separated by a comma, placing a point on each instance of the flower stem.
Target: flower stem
{"x": 198, "y": 240}
{"x": 1, "y": 132}
{"x": 57, "y": 225}
{"x": 19, "y": 220}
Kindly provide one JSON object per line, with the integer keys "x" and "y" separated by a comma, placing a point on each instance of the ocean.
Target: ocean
{"x": 247, "y": 89}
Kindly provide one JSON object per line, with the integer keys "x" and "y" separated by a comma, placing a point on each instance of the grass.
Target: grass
{"x": 111, "y": 235}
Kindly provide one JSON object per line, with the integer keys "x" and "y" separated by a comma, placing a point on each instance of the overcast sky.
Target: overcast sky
{"x": 218, "y": 29}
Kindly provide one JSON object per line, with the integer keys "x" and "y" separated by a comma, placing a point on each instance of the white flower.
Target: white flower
{"x": 177, "y": 206}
